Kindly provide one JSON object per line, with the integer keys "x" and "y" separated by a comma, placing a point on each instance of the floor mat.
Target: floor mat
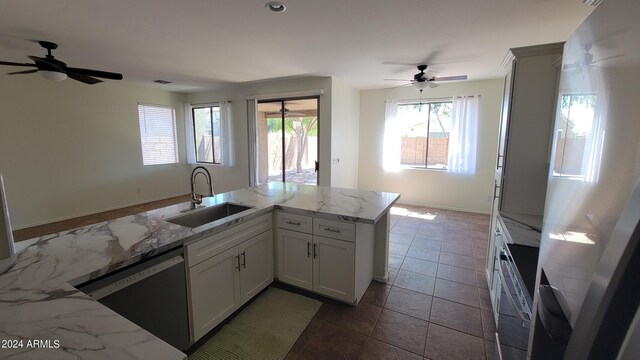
{"x": 267, "y": 329}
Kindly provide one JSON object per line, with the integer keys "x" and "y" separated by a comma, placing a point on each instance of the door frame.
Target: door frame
{"x": 282, "y": 101}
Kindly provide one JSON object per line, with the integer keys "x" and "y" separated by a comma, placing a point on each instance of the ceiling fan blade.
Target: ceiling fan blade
{"x": 450, "y": 78}
{"x": 608, "y": 58}
{"x": 399, "y": 86}
{"x": 83, "y": 78}
{"x": 16, "y": 64}
{"x": 396, "y": 80}
{"x": 96, "y": 73}
{"x": 23, "y": 72}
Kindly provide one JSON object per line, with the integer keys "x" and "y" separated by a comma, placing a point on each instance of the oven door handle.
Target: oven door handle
{"x": 525, "y": 319}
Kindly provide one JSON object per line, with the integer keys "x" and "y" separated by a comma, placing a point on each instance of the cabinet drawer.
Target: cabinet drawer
{"x": 215, "y": 244}
{"x": 294, "y": 222}
{"x": 335, "y": 229}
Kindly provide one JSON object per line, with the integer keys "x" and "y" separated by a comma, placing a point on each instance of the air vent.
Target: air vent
{"x": 163, "y": 82}
{"x": 592, "y": 2}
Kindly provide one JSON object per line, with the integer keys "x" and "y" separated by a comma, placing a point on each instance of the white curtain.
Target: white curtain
{"x": 188, "y": 126}
{"x": 226, "y": 140}
{"x": 391, "y": 145}
{"x": 464, "y": 135}
{"x": 594, "y": 144}
{"x": 253, "y": 141}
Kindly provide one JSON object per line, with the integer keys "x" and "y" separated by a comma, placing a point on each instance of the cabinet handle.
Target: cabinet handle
{"x": 315, "y": 250}
{"x": 244, "y": 259}
{"x": 290, "y": 222}
{"x": 308, "y": 249}
{"x": 332, "y": 230}
{"x": 238, "y": 262}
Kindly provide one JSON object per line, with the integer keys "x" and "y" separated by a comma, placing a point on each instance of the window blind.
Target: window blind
{"x": 158, "y": 134}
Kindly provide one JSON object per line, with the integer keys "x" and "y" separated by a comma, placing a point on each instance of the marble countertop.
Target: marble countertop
{"x": 38, "y": 300}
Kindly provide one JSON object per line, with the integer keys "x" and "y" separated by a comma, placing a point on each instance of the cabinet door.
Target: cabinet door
{"x": 333, "y": 268}
{"x": 214, "y": 286}
{"x": 294, "y": 258}
{"x": 256, "y": 264}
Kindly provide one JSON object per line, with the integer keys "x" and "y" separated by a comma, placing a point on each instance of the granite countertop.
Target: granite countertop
{"x": 38, "y": 300}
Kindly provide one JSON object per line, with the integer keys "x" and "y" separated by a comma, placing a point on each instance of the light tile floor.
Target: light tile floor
{"x": 435, "y": 304}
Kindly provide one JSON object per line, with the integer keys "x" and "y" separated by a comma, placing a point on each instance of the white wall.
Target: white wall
{"x": 227, "y": 179}
{"x": 345, "y": 119}
{"x": 432, "y": 187}
{"x": 68, "y": 149}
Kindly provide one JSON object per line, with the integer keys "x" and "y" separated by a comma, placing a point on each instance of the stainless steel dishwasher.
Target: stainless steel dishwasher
{"x": 152, "y": 294}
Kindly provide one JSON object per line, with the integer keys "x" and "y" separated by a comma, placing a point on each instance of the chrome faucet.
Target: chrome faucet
{"x": 195, "y": 198}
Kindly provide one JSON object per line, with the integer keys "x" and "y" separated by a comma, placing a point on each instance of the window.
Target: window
{"x": 206, "y": 129}
{"x": 425, "y": 131}
{"x": 574, "y": 135}
{"x": 158, "y": 134}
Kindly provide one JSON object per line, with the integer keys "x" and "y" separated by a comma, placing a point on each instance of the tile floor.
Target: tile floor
{"x": 435, "y": 304}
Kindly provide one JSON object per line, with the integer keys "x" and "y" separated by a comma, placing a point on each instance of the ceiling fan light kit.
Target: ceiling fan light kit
{"x": 420, "y": 85}
{"x": 52, "y": 75}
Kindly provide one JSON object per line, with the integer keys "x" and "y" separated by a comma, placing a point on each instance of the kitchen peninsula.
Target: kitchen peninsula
{"x": 38, "y": 295}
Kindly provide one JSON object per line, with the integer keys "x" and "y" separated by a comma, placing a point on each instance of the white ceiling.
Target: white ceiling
{"x": 201, "y": 45}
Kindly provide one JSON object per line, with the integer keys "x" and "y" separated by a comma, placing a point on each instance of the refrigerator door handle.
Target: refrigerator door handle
{"x": 525, "y": 319}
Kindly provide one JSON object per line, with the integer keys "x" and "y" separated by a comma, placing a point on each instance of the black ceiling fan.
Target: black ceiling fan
{"x": 53, "y": 69}
{"x": 423, "y": 80}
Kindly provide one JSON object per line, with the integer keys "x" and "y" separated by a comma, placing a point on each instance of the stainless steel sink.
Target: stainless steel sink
{"x": 200, "y": 217}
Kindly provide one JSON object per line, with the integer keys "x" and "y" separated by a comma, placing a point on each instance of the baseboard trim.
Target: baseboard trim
{"x": 443, "y": 207}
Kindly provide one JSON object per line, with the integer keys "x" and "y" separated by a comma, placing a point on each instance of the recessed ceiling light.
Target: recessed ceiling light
{"x": 163, "y": 82}
{"x": 275, "y": 6}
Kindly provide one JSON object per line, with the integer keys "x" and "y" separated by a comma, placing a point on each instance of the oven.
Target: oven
{"x": 514, "y": 272}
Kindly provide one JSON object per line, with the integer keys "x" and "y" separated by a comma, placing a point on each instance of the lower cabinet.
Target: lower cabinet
{"x": 219, "y": 285}
{"x": 256, "y": 265}
{"x": 215, "y": 291}
{"x": 333, "y": 268}
{"x": 295, "y": 263}
{"x": 317, "y": 263}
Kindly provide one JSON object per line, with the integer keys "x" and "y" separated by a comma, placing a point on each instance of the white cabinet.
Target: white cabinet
{"x": 256, "y": 265}
{"x": 526, "y": 133}
{"x": 215, "y": 291}
{"x": 294, "y": 258}
{"x": 333, "y": 268}
{"x": 238, "y": 265}
{"x": 337, "y": 263}
{"x": 526, "y": 127}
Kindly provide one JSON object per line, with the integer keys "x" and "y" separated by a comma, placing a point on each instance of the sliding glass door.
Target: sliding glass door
{"x": 287, "y": 146}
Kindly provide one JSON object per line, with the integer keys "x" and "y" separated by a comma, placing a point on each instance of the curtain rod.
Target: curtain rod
{"x": 210, "y": 103}
{"x": 437, "y": 98}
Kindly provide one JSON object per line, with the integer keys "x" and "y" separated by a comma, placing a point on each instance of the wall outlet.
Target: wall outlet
{"x": 489, "y": 198}
{"x": 138, "y": 190}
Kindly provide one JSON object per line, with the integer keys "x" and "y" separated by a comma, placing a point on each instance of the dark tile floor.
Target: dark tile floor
{"x": 435, "y": 304}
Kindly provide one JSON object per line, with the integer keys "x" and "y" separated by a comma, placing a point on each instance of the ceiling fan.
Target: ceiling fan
{"x": 53, "y": 69}
{"x": 423, "y": 80}
{"x": 286, "y": 112}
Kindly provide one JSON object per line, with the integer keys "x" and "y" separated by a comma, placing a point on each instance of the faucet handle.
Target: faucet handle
{"x": 196, "y": 199}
